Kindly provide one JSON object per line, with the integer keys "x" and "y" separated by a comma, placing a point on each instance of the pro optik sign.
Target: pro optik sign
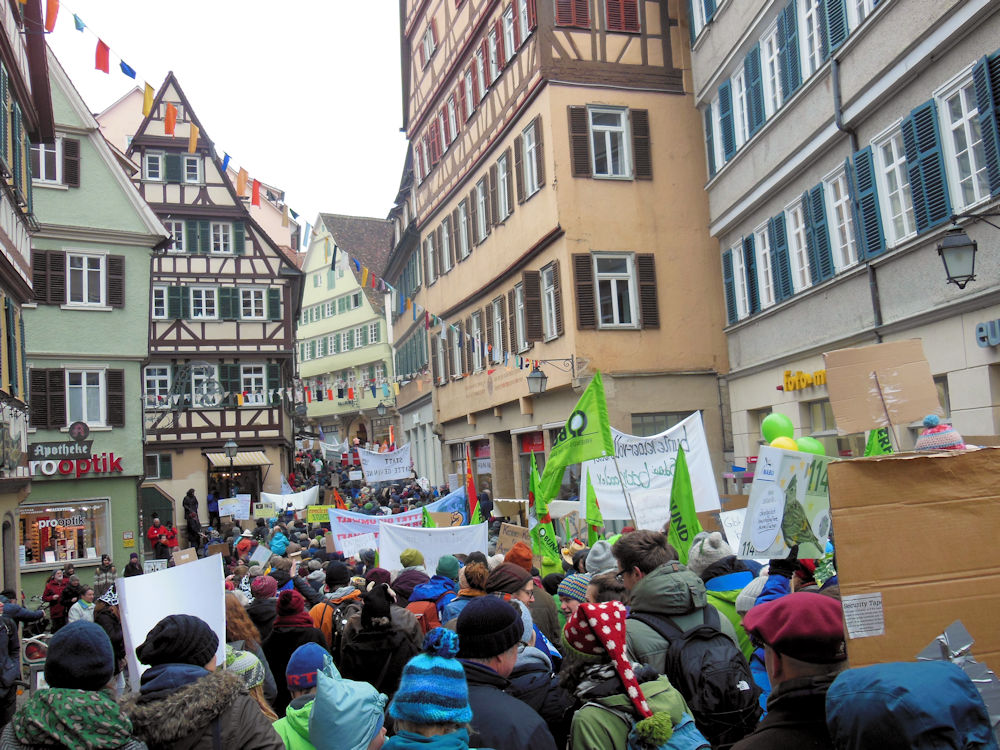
{"x": 71, "y": 458}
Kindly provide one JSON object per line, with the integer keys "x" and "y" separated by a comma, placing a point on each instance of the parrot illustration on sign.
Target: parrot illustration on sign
{"x": 794, "y": 523}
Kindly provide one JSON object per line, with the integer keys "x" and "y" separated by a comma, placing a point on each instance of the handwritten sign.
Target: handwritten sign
{"x": 238, "y": 507}
{"x": 511, "y": 535}
{"x": 319, "y": 513}
{"x": 732, "y": 525}
{"x": 382, "y": 467}
{"x": 264, "y": 510}
{"x": 351, "y": 546}
{"x": 652, "y": 508}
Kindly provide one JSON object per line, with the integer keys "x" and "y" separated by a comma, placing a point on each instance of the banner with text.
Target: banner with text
{"x": 344, "y": 523}
{"x": 384, "y": 467}
{"x": 647, "y": 466}
{"x": 432, "y": 543}
{"x": 298, "y": 500}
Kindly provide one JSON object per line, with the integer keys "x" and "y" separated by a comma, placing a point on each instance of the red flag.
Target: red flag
{"x": 350, "y": 394}
{"x": 470, "y": 485}
{"x": 101, "y": 56}
{"x": 255, "y": 193}
{"x": 170, "y": 119}
{"x": 309, "y": 396}
{"x": 51, "y": 11}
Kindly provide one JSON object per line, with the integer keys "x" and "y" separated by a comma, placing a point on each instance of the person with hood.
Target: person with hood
{"x": 471, "y": 584}
{"x": 263, "y": 609}
{"x": 292, "y": 628}
{"x": 724, "y": 576}
{"x": 341, "y": 600}
{"x": 544, "y": 611}
{"x": 304, "y": 666}
{"x": 285, "y": 573}
{"x": 347, "y": 715}
{"x": 621, "y": 698}
{"x": 75, "y": 710}
{"x": 133, "y": 567}
{"x": 243, "y": 635}
{"x": 83, "y": 608}
{"x": 184, "y": 701}
{"x": 53, "y": 595}
{"x": 104, "y": 576}
{"x": 412, "y": 574}
{"x": 804, "y": 651}
{"x": 279, "y": 542}
{"x": 440, "y": 589}
{"x": 108, "y": 618}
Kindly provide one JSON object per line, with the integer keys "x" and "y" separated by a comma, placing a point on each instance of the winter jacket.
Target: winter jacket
{"x": 132, "y": 569}
{"x": 69, "y": 596}
{"x": 153, "y": 533}
{"x": 774, "y": 588}
{"x": 285, "y": 581}
{"x": 341, "y": 603}
{"x": 279, "y": 543}
{"x": 673, "y": 591}
{"x": 10, "y": 653}
{"x": 403, "y": 621}
{"x": 545, "y": 613}
{"x": 293, "y": 728}
{"x": 533, "y": 682}
{"x": 405, "y": 582}
{"x": 457, "y": 740}
{"x": 112, "y": 625}
{"x": 796, "y": 717}
{"x": 454, "y": 608}
{"x": 278, "y": 650}
{"x": 18, "y": 613}
{"x": 104, "y": 578}
{"x": 724, "y": 580}
{"x": 52, "y": 594}
{"x": 182, "y": 707}
{"x": 262, "y": 613}
{"x": 50, "y": 719}
{"x": 376, "y": 655}
{"x": 439, "y": 589}
{"x": 499, "y": 720}
{"x": 243, "y": 547}
{"x": 81, "y": 611}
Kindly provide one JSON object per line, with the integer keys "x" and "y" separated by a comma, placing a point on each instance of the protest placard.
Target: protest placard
{"x": 382, "y": 467}
{"x": 298, "y": 500}
{"x": 453, "y": 483}
{"x": 732, "y": 525}
{"x": 433, "y": 543}
{"x": 260, "y": 555}
{"x": 447, "y": 519}
{"x": 329, "y": 543}
{"x": 352, "y": 545}
{"x": 319, "y": 513}
{"x": 183, "y": 556}
{"x": 511, "y": 535}
{"x": 238, "y": 507}
{"x": 151, "y": 566}
{"x": 652, "y": 508}
{"x": 264, "y": 510}
{"x": 219, "y": 549}
{"x": 355, "y": 476}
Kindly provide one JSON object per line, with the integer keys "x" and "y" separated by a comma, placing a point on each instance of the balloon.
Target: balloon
{"x": 785, "y": 443}
{"x": 811, "y": 445}
{"x": 775, "y": 426}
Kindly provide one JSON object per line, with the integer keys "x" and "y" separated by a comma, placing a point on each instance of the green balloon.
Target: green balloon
{"x": 811, "y": 445}
{"x": 775, "y": 426}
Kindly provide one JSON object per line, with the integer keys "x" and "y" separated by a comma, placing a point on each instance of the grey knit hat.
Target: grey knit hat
{"x": 599, "y": 559}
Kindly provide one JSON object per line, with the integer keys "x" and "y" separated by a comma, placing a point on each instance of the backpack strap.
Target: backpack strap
{"x": 625, "y": 715}
{"x": 711, "y": 617}
{"x": 664, "y": 626}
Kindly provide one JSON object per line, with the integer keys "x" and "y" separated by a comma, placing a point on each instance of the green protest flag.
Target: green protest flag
{"x": 879, "y": 443}
{"x": 586, "y": 435}
{"x": 684, "y": 525}
{"x": 428, "y": 521}
{"x": 477, "y": 516}
{"x": 595, "y": 519}
{"x": 543, "y": 536}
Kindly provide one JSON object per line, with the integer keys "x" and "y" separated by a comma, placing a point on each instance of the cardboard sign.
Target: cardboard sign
{"x": 151, "y": 566}
{"x": 352, "y": 545}
{"x": 509, "y": 508}
{"x": 511, "y": 535}
{"x": 444, "y": 520}
{"x": 328, "y": 543}
{"x": 260, "y": 555}
{"x": 219, "y": 549}
{"x": 875, "y": 386}
{"x": 264, "y": 510}
{"x": 183, "y": 556}
{"x": 319, "y": 513}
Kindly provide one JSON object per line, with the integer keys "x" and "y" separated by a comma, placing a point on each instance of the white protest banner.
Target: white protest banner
{"x": 789, "y": 504}
{"x": 197, "y": 588}
{"x": 732, "y": 525}
{"x": 298, "y": 500}
{"x": 352, "y": 545}
{"x": 647, "y": 463}
{"x": 432, "y": 543}
{"x": 382, "y": 467}
{"x": 345, "y": 523}
{"x": 652, "y": 509}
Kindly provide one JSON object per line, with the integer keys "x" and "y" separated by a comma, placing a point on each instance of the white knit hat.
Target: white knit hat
{"x": 748, "y": 596}
{"x": 706, "y": 549}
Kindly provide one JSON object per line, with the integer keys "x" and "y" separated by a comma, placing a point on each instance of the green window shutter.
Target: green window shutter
{"x": 229, "y": 303}
{"x": 710, "y": 141}
{"x": 817, "y": 235}
{"x": 239, "y": 238}
{"x": 185, "y": 302}
{"x": 4, "y": 104}
{"x": 273, "y": 383}
{"x": 788, "y": 51}
{"x": 204, "y": 237}
{"x": 925, "y": 162}
{"x": 755, "y": 90}
{"x": 229, "y": 379}
{"x": 172, "y": 167}
{"x": 11, "y": 315}
{"x": 274, "y": 303}
{"x": 342, "y": 305}
{"x": 175, "y": 308}
{"x": 729, "y": 286}
{"x": 781, "y": 272}
{"x": 869, "y": 218}
{"x": 166, "y": 466}
{"x": 331, "y": 279}
{"x": 364, "y": 335}
{"x": 191, "y": 235}
{"x": 750, "y": 268}
{"x": 726, "y": 120}
{"x": 835, "y": 25}
{"x": 23, "y": 369}
{"x": 312, "y": 349}
{"x": 986, "y": 78}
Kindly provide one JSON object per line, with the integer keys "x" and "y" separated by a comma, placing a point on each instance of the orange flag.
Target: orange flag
{"x": 255, "y": 193}
{"x": 193, "y": 139}
{"x": 147, "y": 100}
{"x": 241, "y": 182}
{"x": 284, "y": 216}
{"x": 101, "y": 56}
{"x": 170, "y": 120}
{"x": 51, "y": 11}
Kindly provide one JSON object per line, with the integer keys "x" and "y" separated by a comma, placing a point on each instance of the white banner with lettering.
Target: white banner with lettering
{"x": 383, "y": 467}
{"x": 647, "y": 465}
{"x": 345, "y": 523}
{"x": 298, "y": 500}
{"x": 432, "y": 543}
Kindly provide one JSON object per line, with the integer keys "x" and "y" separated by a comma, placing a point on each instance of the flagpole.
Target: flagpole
{"x": 628, "y": 500}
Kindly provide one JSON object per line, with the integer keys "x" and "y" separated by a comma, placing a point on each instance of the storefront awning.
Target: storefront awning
{"x": 243, "y": 458}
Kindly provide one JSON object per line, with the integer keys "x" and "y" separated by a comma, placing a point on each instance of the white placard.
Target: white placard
{"x": 432, "y": 543}
{"x": 863, "y": 615}
{"x": 261, "y": 554}
{"x": 352, "y": 545}
{"x": 197, "y": 588}
{"x": 238, "y": 507}
{"x": 151, "y": 566}
{"x": 484, "y": 466}
{"x": 383, "y": 467}
{"x": 452, "y": 482}
{"x": 355, "y": 476}
{"x": 298, "y": 500}
{"x": 652, "y": 509}
{"x": 732, "y": 525}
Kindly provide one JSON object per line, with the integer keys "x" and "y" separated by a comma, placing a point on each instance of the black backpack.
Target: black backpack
{"x": 712, "y": 674}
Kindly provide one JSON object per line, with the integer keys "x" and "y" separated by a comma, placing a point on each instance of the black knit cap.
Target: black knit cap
{"x": 486, "y": 627}
{"x": 337, "y": 575}
{"x": 80, "y": 657}
{"x": 179, "y": 639}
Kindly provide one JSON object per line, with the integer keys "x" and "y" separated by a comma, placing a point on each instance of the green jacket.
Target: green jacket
{"x": 673, "y": 591}
{"x": 294, "y": 727}
{"x": 596, "y": 728}
{"x": 725, "y": 602}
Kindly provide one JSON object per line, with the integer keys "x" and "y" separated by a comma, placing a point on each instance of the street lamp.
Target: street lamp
{"x": 380, "y": 409}
{"x": 958, "y": 253}
{"x": 537, "y": 381}
{"x": 231, "y": 449}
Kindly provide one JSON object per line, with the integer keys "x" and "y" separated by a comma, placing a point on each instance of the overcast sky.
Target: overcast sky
{"x": 305, "y": 93}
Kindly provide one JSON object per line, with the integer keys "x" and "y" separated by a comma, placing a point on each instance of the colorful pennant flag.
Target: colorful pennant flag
{"x": 127, "y": 69}
{"x": 364, "y": 276}
{"x": 101, "y": 57}
{"x": 429, "y": 522}
{"x": 147, "y": 100}
{"x": 543, "y": 536}
{"x": 225, "y": 161}
{"x": 255, "y": 193}
{"x": 170, "y": 119}
{"x": 338, "y": 500}
{"x": 879, "y": 443}
{"x": 193, "y": 139}
{"x": 51, "y": 11}
{"x": 470, "y": 488}
{"x": 241, "y": 182}
{"x": 684, "y": 524}
{"x": 78, "y": 22}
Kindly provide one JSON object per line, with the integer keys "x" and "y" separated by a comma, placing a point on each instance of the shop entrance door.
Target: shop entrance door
{"x": 153, "y": 501}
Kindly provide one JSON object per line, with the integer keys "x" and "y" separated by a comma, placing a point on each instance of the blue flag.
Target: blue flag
{"x": 225, "y": 162}
{"x": 80, "y": 25}
{"x": 127, "y": 69}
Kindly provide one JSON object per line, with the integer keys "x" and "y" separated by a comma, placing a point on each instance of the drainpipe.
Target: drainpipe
{"x": 838, "y": 120}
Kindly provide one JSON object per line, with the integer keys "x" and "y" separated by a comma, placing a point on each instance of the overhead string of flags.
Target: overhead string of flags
{"x": 102, "y": 62}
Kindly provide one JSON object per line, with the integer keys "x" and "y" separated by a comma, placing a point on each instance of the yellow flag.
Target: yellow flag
{"x": 364, "y": 276}
{"x": 284, "y": 216}
{"x": 193, "y": 139}
{"x": 241, "y": 182}
{"x": 147, "y": 100}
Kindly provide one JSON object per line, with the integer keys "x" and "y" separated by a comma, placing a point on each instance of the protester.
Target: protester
{"x": 243, "y": 635}
{"x": 264, "y": 608}
{"x": 437, "y": 593}
{"x": 134, "y": 567}
{"x": 341, "y": 600}
{"x": 108, "y": 617}
{"x": 285, "y": 573}
{"x": 489, "y": 631}
{"x": 75, "y": 710}
{"x": 83, "y": 608}
{"x": 600, "y": 559}
{"x": 572, "y": 591}
{"x": 292, "y": 628}
{"x": 154, "y": 531}
{"x": 245, "y": 544}
{"x": 301, "y": 674}
{"x": 161, "y": 550}
{"x": 544, "y": 611}
{"x": 412, "y": 574}
{"x": 471, "y": 584}
{"x": 251, "y": 671}
{"x": 606, "y": 588}
{"x": 347, "y": 715}
{"x": 104, "y": 576}
{"x": 279, "y": 542}
{"x": 10, "y": 666}
{"x": 724, "y": 576}
{"x": 53, "y": 595}
{"x": 71, "y": 592}
{"x": 184, "y": 701}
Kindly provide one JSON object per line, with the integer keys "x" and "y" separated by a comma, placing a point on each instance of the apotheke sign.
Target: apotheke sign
{"x": 71, "y": 458}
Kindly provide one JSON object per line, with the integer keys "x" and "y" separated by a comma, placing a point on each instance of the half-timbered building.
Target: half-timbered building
{"x": 223, "y": 302}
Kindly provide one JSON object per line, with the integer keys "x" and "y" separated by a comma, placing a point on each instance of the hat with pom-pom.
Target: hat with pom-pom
{"x": 706, "y": 549}
{"x": 938, "y": 437}
{"x": 432, "y": 689}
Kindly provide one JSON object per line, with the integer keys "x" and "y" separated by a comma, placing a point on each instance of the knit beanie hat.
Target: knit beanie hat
{"x": 448, "y": 567}
{"x": 378, "y": 575}
{"x": 303, "y": 665}
{"x": 432, "y": 689}
{"x": 264, "y": 587}
{"x": 596, "y": 632}
{"x": 179, "y": 639}
{"x": 246, "y": 665}
{"x": 937, "y": 436}
{"x": 574, "y": 587}
{"x": 520, "y": 555}
{"x": 411, "y": 558}
{"x": 487, "y": 626}
{"x": 507, "y": 578}
{"x": 599, "y": 559}
{"x": 494, "y": 561}
{"x": 290, "y": 602}
{"x": 338, "y": 575}
{"x": 376, "y": 608}
{"x": 707, "y": 548}
{"x": 748, "y": 596}
{"x": 526, "y": 622}
{"x": 80, "y": 657}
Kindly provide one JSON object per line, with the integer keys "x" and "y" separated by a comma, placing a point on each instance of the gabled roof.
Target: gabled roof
{"x": 367, "y": 239}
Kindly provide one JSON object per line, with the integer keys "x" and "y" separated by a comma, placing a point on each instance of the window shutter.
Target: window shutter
{"x": 174, "y": 301}
{"x": 750, "y": 268}
{"x": 510, "y": 181}
{"x": 4, "y": 118}
{"x": 579, "y": 141}
{"x": 557, "y": 290}
{"x": 641, "y": 148}
{"x": 205, "y": 237}
{"x": 581, "y": 13}
{"x": 420, "y": 53}
{"x": 788, "y": 51}
{"x": 57, "y": 397}
{"x": 172, "y": 168}
{"x": 512, "y": 318}
{"x": 726, "y": 120}
{"x": 364, "y": 335}
{"x": 239, "y": 238}
{"x": 22, "y": 350}
{"x": 38, "y": 397}
{"x": 630, "y": 15}
{"x": 564, "y": 12}
{"x": 451, "y": 220}
{"x": 229, "y": 303}
{"x": 439, "y": 250}
{"x": 191, "y": 235}
{"x": 502, "y": 343}
{"x": 539, "y": 151}
{"x": 835, "y": 23}
{"x": 925, "y": 162}
{"x": 501, "y": 52}
{"x": 11, "y": 344}
{"x": 490, "y": 337}
{"x": 229, "y": 379}
{"x": 583, "y": 275}
{"x": 166, "y": 466}
{"x": 818, "y": 235}
{"x": 869, "y": 218}
{"x": 464, "y": 346}
{"x": 691, "y": 29}
{"x": 709, "y": 10}
{"x": 986, "y": 78}
{"x": 729, "y": 286}
{"x": 477, "y": 91}
{"x": 517, "y": 23}
{"x": 781, "y": 273}
{"x": 116, "y": 281}
{"x": 274, "y": 303}
{"x": 532, "y": 284}
{"x": 710, "y": 141}
{"x": 613, "y": 9}
{"x": 40, "y": 275}
{"x": 71, "y": 162}
{"x": 532, "y": 15}
{"x": 493, "y": 195}
{"x": 115, "y": 382}
{"x": 434, "y": 31}
{"x": 474, "y": 218}
{"x": 755, "y": 90}
{"x": 460, "y": 109}
{"x": 649, "y": 308}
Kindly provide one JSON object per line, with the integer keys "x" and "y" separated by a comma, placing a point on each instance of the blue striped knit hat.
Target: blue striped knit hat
{"x": 432, "y": 689}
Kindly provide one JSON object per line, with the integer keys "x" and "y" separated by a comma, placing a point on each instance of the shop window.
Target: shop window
{"x": 53, "y": 534}
{"x": 648, "y": 424}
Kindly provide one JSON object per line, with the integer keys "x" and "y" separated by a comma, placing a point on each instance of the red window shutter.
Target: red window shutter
{"x": 485, "y": 47}
{"x": 642, "y": 152}
{"x": 583, "y": 273}
{"x": 445, "y": 127}
{"x": 420, "y": 54}
{"x": 461, "y": 114}
{"x": 434, "y": 32}
{"x": 501, "y": 56}
{"x": 581, "y": 13}
{"x": 532, "y": 14}
{"x": 630, "y": 15}
{"x": 579, "y": 141}
{"x": 614, "y": 15}
{"x": 476, "y": 91}
{"x": 564, "y": 12}
{"x": 517, "y": 23}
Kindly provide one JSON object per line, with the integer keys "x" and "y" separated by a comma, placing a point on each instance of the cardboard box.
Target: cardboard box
{"x": 182, "y": 556}
{"x": 219, "y": 549}
{"x": 917, "y": 532}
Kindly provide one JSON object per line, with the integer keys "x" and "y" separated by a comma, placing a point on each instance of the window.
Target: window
{"x": 153, "y": 167}
{"x": 456, "y": 353}
{"x": 358, "y": 343}
{"x": 476, "y": 334}
{"x": 162, "y": 113}
{"x": 963, "y": 144}
{"x": 797, "y": 246}
{"x": 845, "y": 251}
{"x": 765, "y": 283}
{"x": 717, "y": 151}
{"x": 205, "y": 389}
{"x": 530, "y": 159}
{"x": 623, "y": 15}
{"x": 158, "y": 466}
{"x": 158, "y": 309}
{"x": 85, "y": 396}
{"x": 698, "y": 18}
{"x": 859, "y": 10}
{"x": 740, "y": 120}
{"x": 427, "y": 44}
{"x": 345, "y": 340}
{"x": 252, "y": 304}
{"x": 373, "y": 333}
{"x": 157, "y": 386}
{"x": 442, "y": 374}
{"x": 609, "y": 144}
{"x": 176, "y": 229}
{"x": 203, "y": 302}
{"x": 46, "y": 162}
{"x": 740, "y": 277}
{"x": 894, "y": 188}
{"x": 519, "y": 323}
{"x": 431, "y": 264}
{"x": 647, "y": 425}
{"x": 503, "y": 198}
{"x": 494, "y": 55}
{"x": 481, "y": 72}
{"x": 771, "y": 70}
{"x": 55, "y": 533}
{"x": 498, "y": 320}
{"x": 85, "y": 279}
{"x": 463, "y": 229}
{"x": 509, "y": 43}
{"x": 452, "y": 120}
{"x": 446, "y": 253}
{"x": 222, "y": 242}
{"x": 192, "y": 169}
{"x": 470, "y": 100}
{"x": 549, "y": 302}
{"x": 356, "y": 300}
{"x": 614, "y": 289}
{"x": 522, "y": 18}
{"x": 812, "y": 34}
{"x": 481, "y": 215}
{"x": 253, "y": 384}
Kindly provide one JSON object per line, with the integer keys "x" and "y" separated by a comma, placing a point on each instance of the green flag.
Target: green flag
{"x": 477, "y": 516}
{"x": 428, "y": 521}
{"x": 543, "y": 536}
{"x": 879, "y": 443}
{"x": 586, "y": 435}
{"x": 595, "y": 519}
{"x": 684, "y": 525}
